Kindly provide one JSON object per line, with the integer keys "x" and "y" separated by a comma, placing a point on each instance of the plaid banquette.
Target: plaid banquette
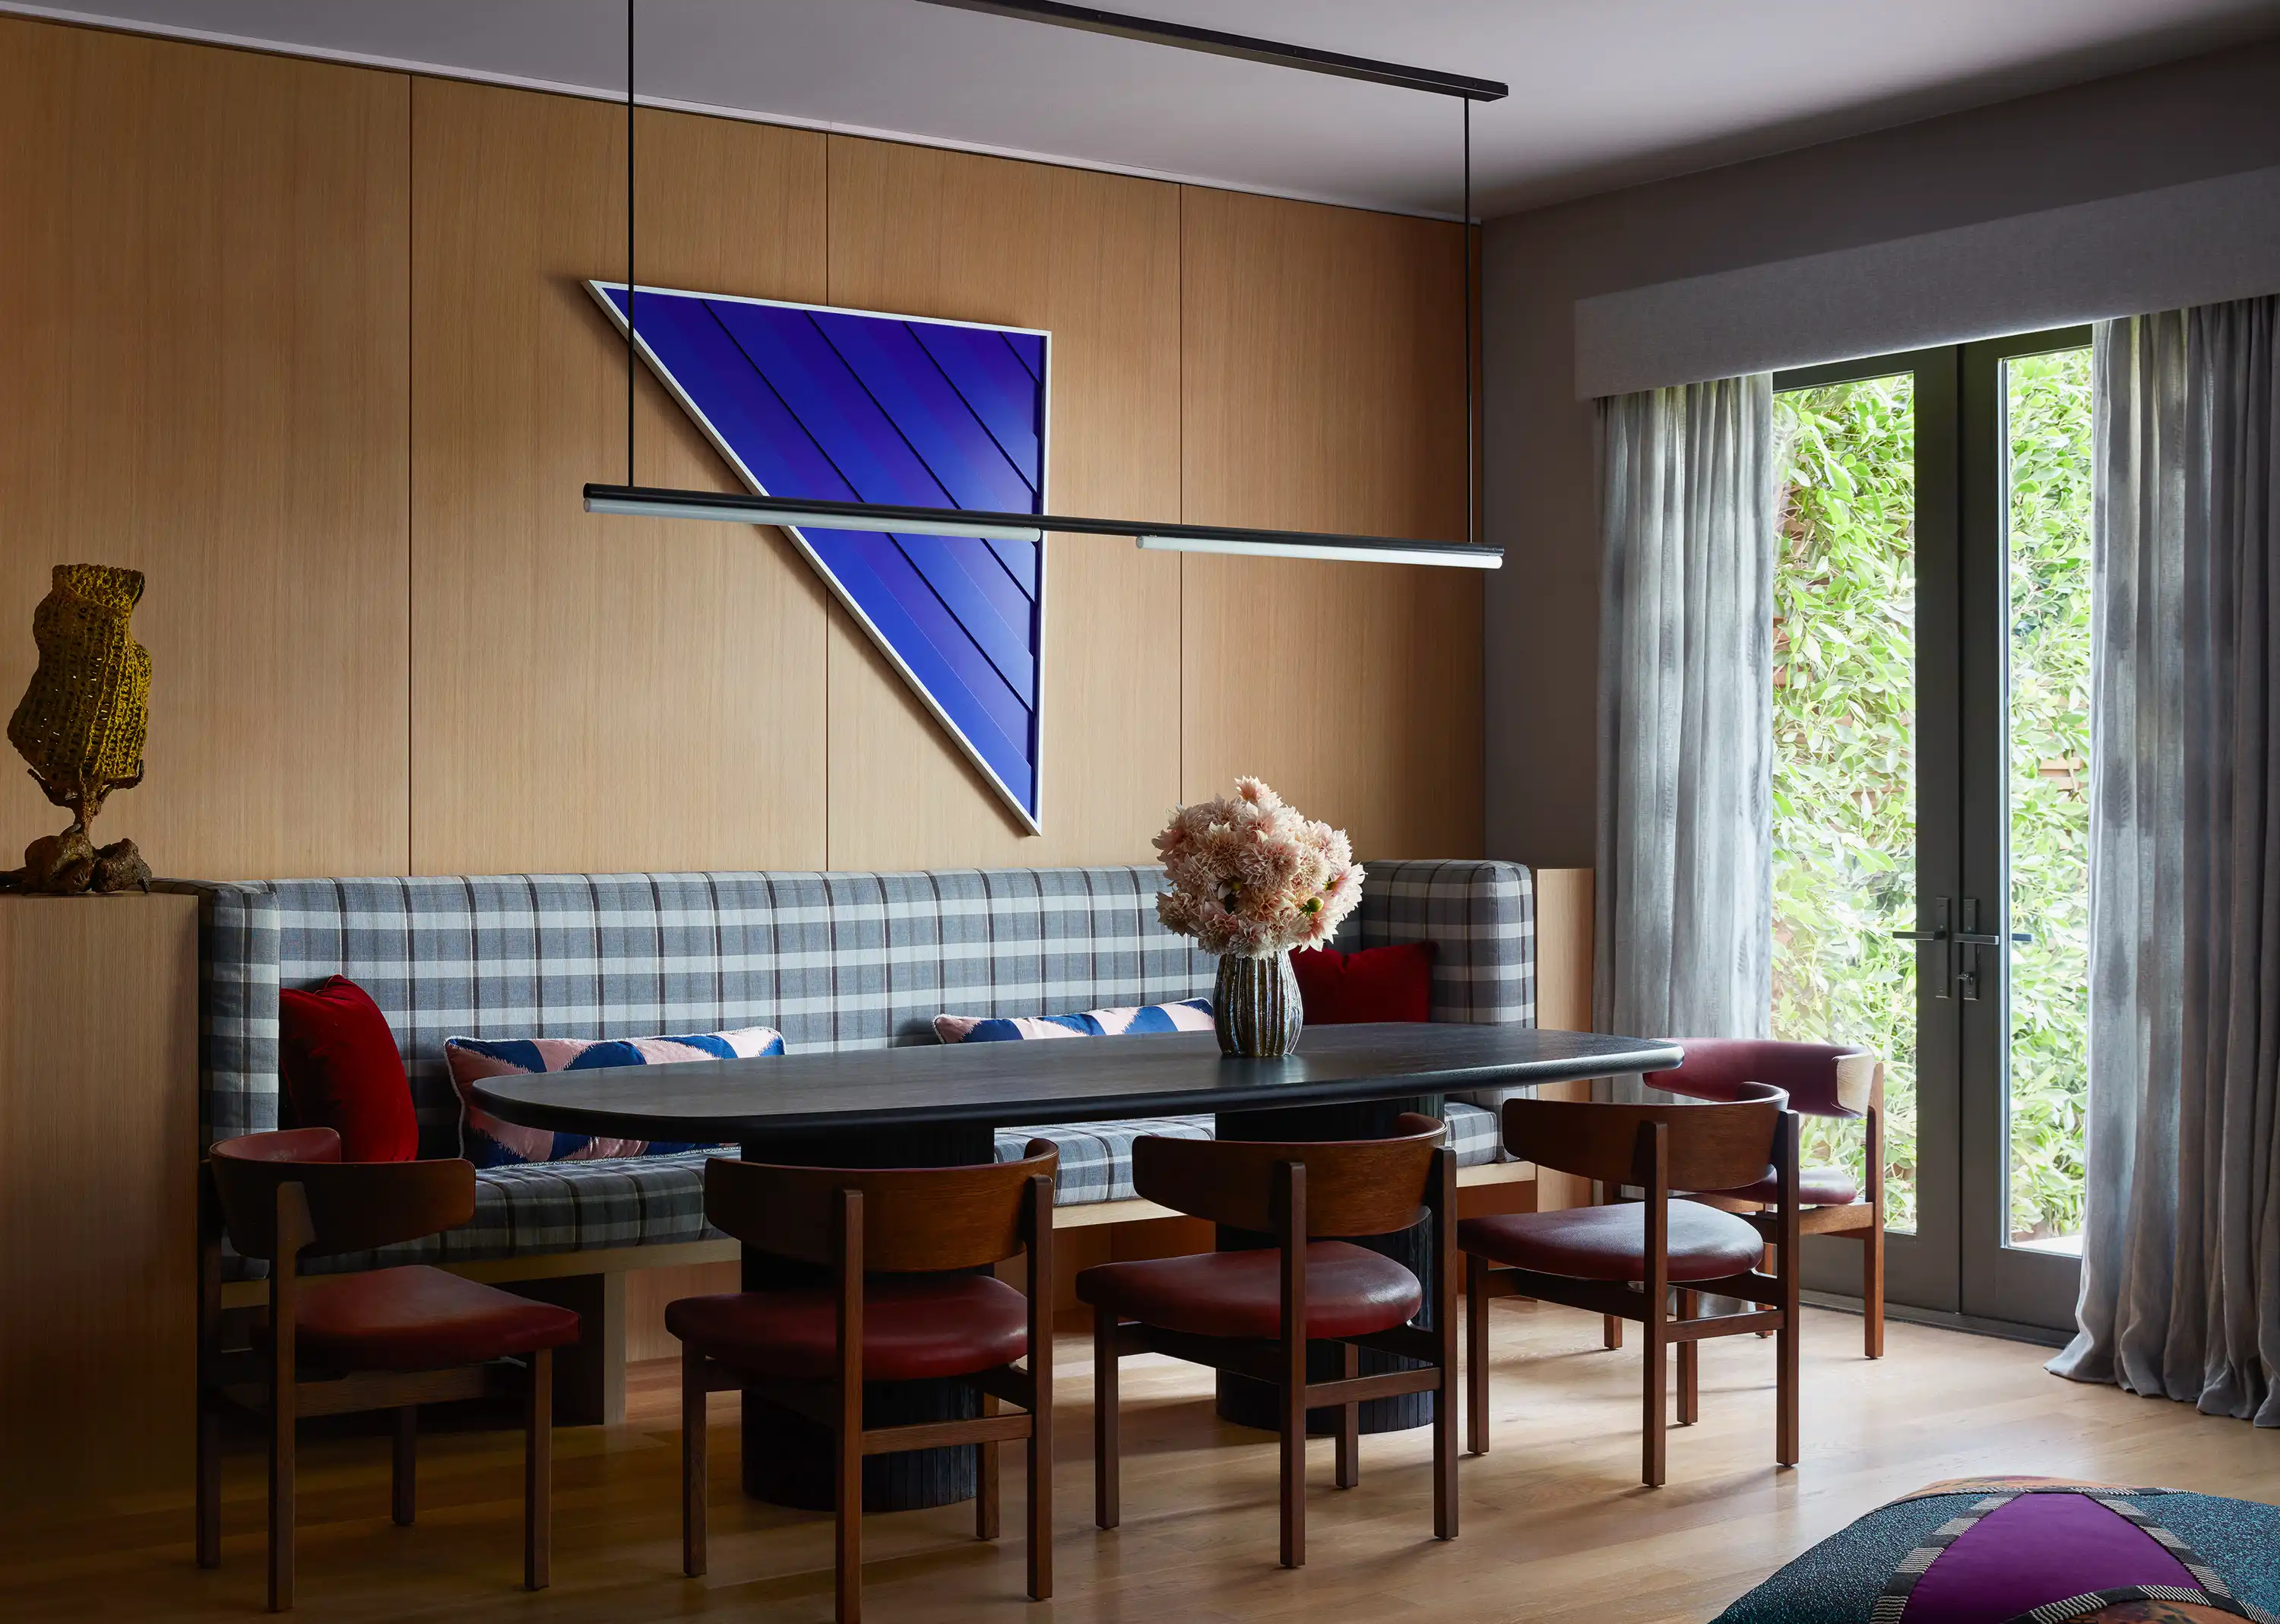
{"x": 839, "y": 960}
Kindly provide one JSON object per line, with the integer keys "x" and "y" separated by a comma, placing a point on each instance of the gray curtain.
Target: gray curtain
{"x": 1685, "y": 847}
{"x": 2180, "y": 1253}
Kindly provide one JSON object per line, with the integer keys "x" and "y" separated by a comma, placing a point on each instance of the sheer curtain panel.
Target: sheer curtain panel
{"x": 1685, "y": 846}
{"x": 2181, "y": 1254}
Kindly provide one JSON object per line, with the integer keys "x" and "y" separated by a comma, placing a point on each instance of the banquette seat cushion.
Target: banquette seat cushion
{"x": 834, "y": 961}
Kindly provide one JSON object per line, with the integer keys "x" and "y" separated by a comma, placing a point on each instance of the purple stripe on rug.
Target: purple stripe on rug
{"x": 2040, "y": 1547}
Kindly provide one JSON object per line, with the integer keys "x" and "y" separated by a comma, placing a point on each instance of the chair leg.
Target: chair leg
{"x": 1349, "y": 1460}
{"x": 1689, "y": 1372}
{"x": 1785, "y": 1373}
{"x": 538, "y": 1473}
{"x": 695, "y": 1463}
{"x": 1872, "y": 1291}
{"x": 1293, "y": 1440}
{"x": 1444, "y": 1438}
{"x": 1106, "y": 1510}
{"x": 986, "y": 1505}
{"x": 1658, "y": 1397}
{"x": 281, "y": 1463}
{"x": 1477, "y": 1355}
{"x": 1041, "y": 1498}
{"x": 209, "y": 1489}
{"x": 1611, "y": 1330}
{"x": 404, "y": 1467}
{"x": 847, "y": 1566}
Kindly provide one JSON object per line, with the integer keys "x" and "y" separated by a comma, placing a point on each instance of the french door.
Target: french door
{"x": 1931, "y": 814}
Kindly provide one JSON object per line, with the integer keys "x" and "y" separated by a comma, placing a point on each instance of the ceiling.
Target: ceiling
{"x": 1604, "y": 93}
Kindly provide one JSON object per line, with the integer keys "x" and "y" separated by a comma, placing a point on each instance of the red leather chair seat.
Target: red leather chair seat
{"x": 914, "y": 1327}
{"x": 1609, "y": 1243}
{"x": 416, "y": 1318}
{"x": 1351, "y": 1291}
{"x": 1816, "y": 1187}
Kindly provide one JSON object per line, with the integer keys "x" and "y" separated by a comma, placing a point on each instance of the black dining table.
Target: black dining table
{"x": 939, "y": 1104}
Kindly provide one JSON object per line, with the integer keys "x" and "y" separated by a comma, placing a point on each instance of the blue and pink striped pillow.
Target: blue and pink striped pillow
{"x": 1193, "y": 1015}
{"x": 488, "y": 1142}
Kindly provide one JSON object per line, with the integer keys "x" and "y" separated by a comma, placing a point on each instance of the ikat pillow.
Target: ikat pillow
{"x": 488, "y": 1142}
{"x": 1193, "y": 1015}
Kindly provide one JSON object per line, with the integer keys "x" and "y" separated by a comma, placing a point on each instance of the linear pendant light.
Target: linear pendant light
{"x": 634, "y": 500}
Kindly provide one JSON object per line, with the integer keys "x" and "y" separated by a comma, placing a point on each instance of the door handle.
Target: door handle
{"x": 1937, "y": 934}
{"x": 1970, "y": 939}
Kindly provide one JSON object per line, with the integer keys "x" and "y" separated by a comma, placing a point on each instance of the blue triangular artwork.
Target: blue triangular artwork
{"x": 845, "y": 405}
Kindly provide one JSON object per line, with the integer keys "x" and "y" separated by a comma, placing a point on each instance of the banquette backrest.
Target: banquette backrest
{"x": 833, "y": 960}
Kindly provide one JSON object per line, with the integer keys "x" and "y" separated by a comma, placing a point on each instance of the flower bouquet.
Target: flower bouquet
{"x": 1251, "y": 879}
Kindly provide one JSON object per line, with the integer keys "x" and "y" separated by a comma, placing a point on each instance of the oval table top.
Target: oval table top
{"x": 1075, "y": 1080}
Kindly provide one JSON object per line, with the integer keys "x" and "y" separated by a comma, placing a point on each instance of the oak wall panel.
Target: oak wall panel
{"x": 596, "y": 693}
{"x": 202, "y": 376}
{"x": 1095, "y": 258}
{"x": 98, "y": 1116}
{"x": 306, "y": 344}
{"x": 1322, "y": 389}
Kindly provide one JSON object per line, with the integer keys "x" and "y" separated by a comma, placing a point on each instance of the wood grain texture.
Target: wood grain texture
{"x": 1556, "y": 1527}
{"x": 1563, "y": 997}
{"x": 596, "y": 693}
{"x": 1563, "y": 949}
{"x": 1095, "y": 259}
{"x": 205, "y": 379}
{"x": 99, "y": 1099}
{"x": 1322, "y": 388}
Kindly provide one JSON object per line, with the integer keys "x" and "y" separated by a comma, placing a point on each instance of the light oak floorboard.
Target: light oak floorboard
{"x": 1556, "y": 1526}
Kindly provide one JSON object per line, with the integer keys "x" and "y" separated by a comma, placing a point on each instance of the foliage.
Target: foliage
{"x": 1844, "y": 763}
{"x": 1843, "y": 789}
{"x": 2048, "y": 413}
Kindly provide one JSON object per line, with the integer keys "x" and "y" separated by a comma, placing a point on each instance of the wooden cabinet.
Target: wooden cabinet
{"x": 98, "y": 1143}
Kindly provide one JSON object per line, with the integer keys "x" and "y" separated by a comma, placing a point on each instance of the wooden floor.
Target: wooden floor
{"x": 1555, "y": 1523}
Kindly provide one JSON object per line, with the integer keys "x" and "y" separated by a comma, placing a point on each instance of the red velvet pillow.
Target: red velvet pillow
{"x": 338, "y": 1062}
{"x": 1378, "y": 983}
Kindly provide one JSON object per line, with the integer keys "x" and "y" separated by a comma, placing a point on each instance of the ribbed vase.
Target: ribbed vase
{"x": 1255, "y": 1007}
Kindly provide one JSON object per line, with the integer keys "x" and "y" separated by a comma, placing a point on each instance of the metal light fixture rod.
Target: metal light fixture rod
{"x": 650, "y": 502}
{"x": 1211, "y": 41}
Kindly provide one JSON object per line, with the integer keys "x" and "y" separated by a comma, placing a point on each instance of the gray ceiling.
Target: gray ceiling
{"x": 1606, "y": 93}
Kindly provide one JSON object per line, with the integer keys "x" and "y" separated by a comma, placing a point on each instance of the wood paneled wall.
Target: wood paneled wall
{"x": 202, "y": 348}
{"x": 306, "y": 344}
{"x": 98, "y": 1103}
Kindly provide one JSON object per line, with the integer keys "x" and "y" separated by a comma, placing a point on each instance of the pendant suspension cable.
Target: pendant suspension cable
{"x": 629, "y": 242}
{"x": 1472, "y": 478}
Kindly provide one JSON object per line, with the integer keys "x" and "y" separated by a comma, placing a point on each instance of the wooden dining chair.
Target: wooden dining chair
{"x": 1256, "y": 1312}
{"x": 903, "y": 1305}
{"x": 1821, "y": 1079}
{"x": 1626, "y": 1259}
{"x": 384, "y": 1339}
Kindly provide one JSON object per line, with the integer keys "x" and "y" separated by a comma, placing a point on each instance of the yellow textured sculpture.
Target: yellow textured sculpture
{"x": 82, "y": 722}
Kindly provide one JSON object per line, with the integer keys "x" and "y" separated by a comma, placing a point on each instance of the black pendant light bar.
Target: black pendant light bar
{"x": 800, "y": 513}
{"x": 634, "y": 500}
{"x": 1187, "y": 36}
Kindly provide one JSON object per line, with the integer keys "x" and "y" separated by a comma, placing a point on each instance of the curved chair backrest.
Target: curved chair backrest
{"x": 1821, "y": 1079}
{"x": 1353, "y": 1186}
{"x": 351, "y": 1207}
{"x": 1710, "y": 1146}
{"x": 916, "y": 1221}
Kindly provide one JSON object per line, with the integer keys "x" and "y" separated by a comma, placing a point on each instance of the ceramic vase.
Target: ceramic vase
{"x": 1255, "y": 1007}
